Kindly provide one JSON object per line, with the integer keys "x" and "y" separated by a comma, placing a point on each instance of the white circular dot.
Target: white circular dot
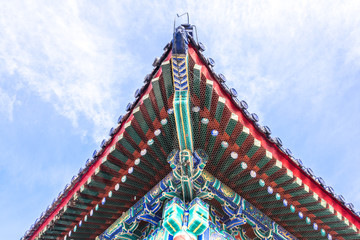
{"x": 234, "y": 155}
{"x": 130, "y": 170}
{"x": 137, "y": 161}
{"x": 157, "y": 132}
{"x": 163, "y": 121}
{"x": 205, "y": 121}
{"x": 117, "y": 186}
{"x": 150, "y": 142}
{"x": 270, "y": 190}
{"x": 243, "y": 165}
{"x": 143, "y": 152}
{"x": 91, "y": 212}
{"x": 252, "y": 173}
{"x": 285, "y": 202}
{"x": 123, "y": 178}
{"x": 170, "y": 111}
{"x": 214, "y": 132}
{"x": 196, "y": 109}
{"x": 224, "y": 144}
{"x": 315, "y": 226}
{"x": 134, "y": 197}
{"x": 103, "y": 201}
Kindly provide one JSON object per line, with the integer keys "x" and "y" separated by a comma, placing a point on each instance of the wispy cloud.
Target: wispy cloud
{"x": 7, "y": 105}
{"x": 66, "y": 59}
{"x": 265, "y": 48}
{"x": 72, "y": 53}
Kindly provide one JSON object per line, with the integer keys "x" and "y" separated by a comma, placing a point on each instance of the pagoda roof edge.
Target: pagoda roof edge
{"x": 84, "y": 173}
{"x": 283, "y": 154}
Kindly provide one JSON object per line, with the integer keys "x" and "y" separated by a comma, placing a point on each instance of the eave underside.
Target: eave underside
{"x": 137, "y": 137}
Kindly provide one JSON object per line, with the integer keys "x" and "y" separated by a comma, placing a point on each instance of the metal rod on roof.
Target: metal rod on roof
{"x": 188, "y": 19}
{"x": 197, "y": 40}
{"x": 178, "y": 16}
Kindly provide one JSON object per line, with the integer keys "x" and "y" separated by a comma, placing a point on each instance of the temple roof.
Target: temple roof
{"x": 133, "y": 160}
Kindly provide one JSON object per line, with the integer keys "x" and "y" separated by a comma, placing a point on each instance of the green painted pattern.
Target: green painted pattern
{"x": 152, "y": 161}
{"x": 157, "y": 92}
{"x": 134, "y": 136}
{"x": 256, "y": 145}
{"x": 274, "y": 168}
{"x": 159, "y": 154}
{"x": 168, "y": 82}
{"x": 287, "y": 176}
{"x": 293, "y": 185}
{"x": 103, "y": 174}
{"x": 165, "y": 144}
{"x": 262, "y": 193}
{"x": 255, "y": 185}
{"x": 313, "y": 198}
{"x": 140, "y": 119}
{"x": 149, "y": 108}
{"x": 243, "y": 179}
{"x": 210, "y": 144}
{"x": 238, "y": 169}
{"x": 220, "y": 109}
{"x": 231, "y": 124}
{"x": 196, "y": 80}
{"x": 106, "y": 162}
{"x": 203, "y": 130}
{"x": 208, "y": 94}
{"x": 264, "y": 160}
{"x": 218, "y": 154}
{"x": 146, "y": 169}
{"x": 242, "y": 136}
{"x": 91, "y": 182}
{"x": 87, "y": 191}
{"x": 118, "y": 154}
{"x": 169, "y": 134}
{"x": 195, "y": 125}
{"x": 183, "y": 121}
{"x": 140, "y": 176}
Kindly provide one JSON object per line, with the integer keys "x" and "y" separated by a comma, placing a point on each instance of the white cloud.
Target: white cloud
{"x": 7, "y": 104}
{"x": 72, "y": 54}
{"x": 274, "y": 50}
{"x": 62, "y": 56}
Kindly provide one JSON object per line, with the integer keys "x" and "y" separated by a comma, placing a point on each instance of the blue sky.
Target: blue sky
{"x": 68, "y": 70}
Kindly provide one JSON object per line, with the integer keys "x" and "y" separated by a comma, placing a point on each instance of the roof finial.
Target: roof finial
{"x": 178, "y": 16}
{"x": 188, "y": 27}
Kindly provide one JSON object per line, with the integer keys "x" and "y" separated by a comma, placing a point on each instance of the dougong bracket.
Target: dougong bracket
{"x": 187, "y": 168}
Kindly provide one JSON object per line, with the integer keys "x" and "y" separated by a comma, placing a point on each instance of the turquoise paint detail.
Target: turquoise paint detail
{"x": 181, "y": 102}
{"x": 173, "y": 216}
{"x": 192, "y": 218}
{"x": 187, "y": 168}
{"x": 198, "y": 217}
